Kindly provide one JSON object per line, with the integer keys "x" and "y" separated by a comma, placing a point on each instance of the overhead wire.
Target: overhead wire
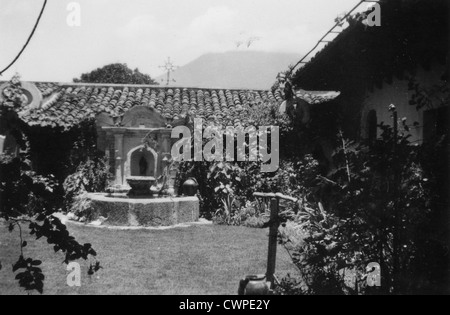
{"x": 28, "y": 40}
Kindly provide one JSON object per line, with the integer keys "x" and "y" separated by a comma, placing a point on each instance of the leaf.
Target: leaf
{"x": 40, "y": 287}
{"x": 21, "y": 263}
{"x": 97, "y": 266}
{"x": 20, "y": 276}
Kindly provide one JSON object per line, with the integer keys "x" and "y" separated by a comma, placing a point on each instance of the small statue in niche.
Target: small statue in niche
{"x": 143, "y": 166}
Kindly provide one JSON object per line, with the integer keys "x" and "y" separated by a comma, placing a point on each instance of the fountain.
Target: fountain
{"x": 140, "y": 185}
{"x": 145, "y": 189}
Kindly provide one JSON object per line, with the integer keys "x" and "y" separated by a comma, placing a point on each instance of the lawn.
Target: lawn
{"x": 205, "y": 259}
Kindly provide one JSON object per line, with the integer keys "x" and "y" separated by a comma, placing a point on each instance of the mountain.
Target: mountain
{"x": 232, "y": 70}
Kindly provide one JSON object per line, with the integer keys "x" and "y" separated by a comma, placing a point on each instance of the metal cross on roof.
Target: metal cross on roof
{"x": 169, "y": 67}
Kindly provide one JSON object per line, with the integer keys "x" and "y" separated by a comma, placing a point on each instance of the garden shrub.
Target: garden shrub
{"x": 82, "y": 208}
{"x": 226, "y": 188}
{"x": 376, "y": 206}
{"x": 250, "y": 215}
{"x": 28, "y": 199}
{"x": 90, "y": 176}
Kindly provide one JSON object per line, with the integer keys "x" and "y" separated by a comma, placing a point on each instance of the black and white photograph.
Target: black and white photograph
{"x": 225, "y": 154}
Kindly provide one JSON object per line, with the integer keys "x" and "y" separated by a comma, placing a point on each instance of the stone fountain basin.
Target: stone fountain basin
{"x": 145, "y": 212}
{"x": 140, "y": 185}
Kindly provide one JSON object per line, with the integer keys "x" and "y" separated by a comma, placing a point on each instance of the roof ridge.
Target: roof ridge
{"x": 146, "y": 86}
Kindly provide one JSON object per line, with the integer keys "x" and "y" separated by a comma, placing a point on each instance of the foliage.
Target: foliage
{"x": 268, "y": 114}
{"x": 295, "y": 177}
{"x": 429, "y": 98}
{"x": 92, "y": 172}
{"x": 82, "y": 208}
{"x": 226, "y": 187}
{"x": 379, "y": 203}
{"x": 252, "y": 215}
{"x": 84, "y": 146}
{"x": 28, "y": 198}
{"x": 219, "y": 185}
{"x": 90, "y": 176}
{"x": 116, "y": 73}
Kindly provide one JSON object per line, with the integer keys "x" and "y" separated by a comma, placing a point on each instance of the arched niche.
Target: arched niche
{"x": 142, "y": 116}
{"x": 133, "y": 164}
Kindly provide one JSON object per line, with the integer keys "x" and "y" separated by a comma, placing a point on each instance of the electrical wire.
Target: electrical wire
{"x": 28, "y": 41}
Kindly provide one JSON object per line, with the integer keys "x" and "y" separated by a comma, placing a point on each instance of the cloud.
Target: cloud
{"x": 220, "y": 28}
{"x": 148, "y": 39}
{"x": 215, "y": 30}
{"x": 285, "y": 39}
{"x": 139, "y": 26}
{"x": 216, "y": 21}
{"x": 209, "y": 32}
{"x": 212, "y": 31}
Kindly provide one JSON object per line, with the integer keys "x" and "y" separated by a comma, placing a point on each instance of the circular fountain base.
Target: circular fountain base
{"x": 146, "y": 212}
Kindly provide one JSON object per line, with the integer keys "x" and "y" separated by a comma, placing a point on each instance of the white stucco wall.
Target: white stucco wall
{"x": 398, "y": 94}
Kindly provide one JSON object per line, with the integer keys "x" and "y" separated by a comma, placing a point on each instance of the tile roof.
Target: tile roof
{"x": 316, "y": 97}
{"x": 65, "y": 105}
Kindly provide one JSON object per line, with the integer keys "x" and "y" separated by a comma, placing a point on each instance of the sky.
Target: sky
{"x": 143, "y": 33}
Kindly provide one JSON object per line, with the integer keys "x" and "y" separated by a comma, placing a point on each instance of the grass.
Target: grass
{"x": 199, "y": 260}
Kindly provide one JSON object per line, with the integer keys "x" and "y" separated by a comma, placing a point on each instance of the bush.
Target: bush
{"x": 29, "y": 199}
{"x": 90, "y": 176}
{"x": 376, "y": 206}
{"x": 249, "y": 215}
{"x": 226, "y": 189}
{"x": 221, "y": 184}
{"x": 82, "y": 208}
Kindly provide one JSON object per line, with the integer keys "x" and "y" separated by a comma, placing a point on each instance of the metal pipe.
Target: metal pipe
{"x": 273, "y": 241}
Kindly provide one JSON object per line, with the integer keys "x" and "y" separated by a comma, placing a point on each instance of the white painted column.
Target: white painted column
{"x": 120, "y": 159}
{"x": 2, "y": 143}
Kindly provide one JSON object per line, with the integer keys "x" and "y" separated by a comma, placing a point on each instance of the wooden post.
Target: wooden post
{"x": 273, "y": 240}
{"x": 273, "y": 233}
